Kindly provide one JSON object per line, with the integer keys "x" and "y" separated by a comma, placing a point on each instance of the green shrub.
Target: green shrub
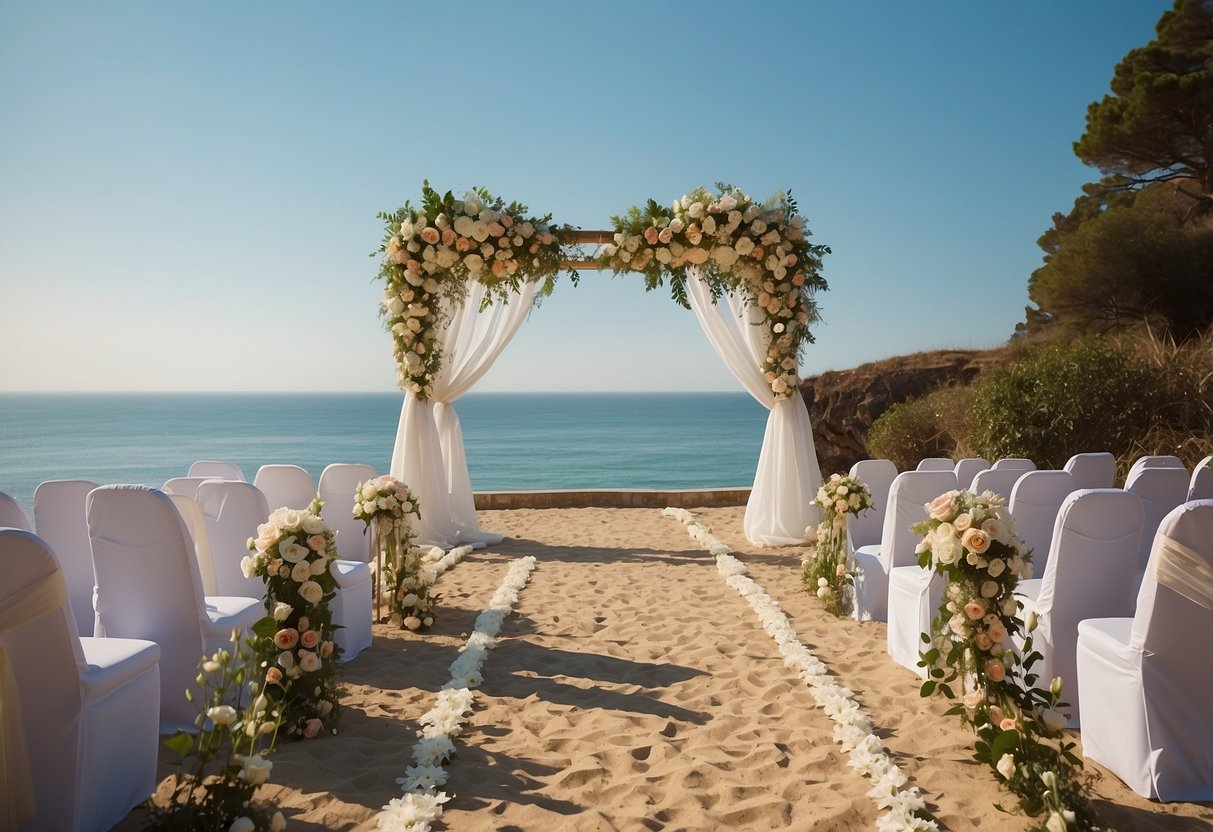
{"x": 934, "y": 425}
{"x": 1070, "y": 397}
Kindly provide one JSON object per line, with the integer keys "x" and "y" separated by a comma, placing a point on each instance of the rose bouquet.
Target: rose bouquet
{"x": 827, "y": 569}
{"x": 292, "y": 554}
{"x": 970, "y": 539}
{"x": 431, "y": 252}
{"x": 737, "y": 244}
{"x": 386, "y": 505}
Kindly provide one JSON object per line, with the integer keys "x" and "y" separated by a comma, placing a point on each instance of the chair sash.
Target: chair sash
{"x": 16, "y": 784}
{"x": 1182, "y": 570}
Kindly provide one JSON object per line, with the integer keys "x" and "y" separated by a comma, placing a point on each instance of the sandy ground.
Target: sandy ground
{"x": 633, "y": 689}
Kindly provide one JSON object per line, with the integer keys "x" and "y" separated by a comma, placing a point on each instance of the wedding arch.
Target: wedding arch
{"x": 461, "y": 274}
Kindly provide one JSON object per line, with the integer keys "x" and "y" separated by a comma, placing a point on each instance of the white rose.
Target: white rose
{"x": 726, "y": 256}
{"x": 696, "y": 256}
{"x": 291, "y": 551}
{"x": 254, "y": 769}
{"x": 463, "y": 226}
{"x": 311, "y": 592}
{"x": 248, "y": 566}
{"x": 474, "y": 263}
{"x": 996, "y": 567}
{"x": 242, "y": 824}
{"x": 309, "y": 662}
{"x": 676, "y": 225}
{"x": 744, "y": 246}
{"x": 301, "y": 571}
{"x": 758, "y": 226}
{"x": 480, "y": 231}
{"x": 222, "y": 714}
{"x": 319, "y": 565}
{"x": 282, "y": 611}
{"x": 695, "y": 210}
{"x": 946, "y": 549}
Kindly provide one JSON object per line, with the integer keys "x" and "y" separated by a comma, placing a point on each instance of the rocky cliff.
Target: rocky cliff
{"x": 843, "y": 404}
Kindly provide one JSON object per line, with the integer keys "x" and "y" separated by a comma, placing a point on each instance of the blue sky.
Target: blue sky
{"x": 189, "y": 192}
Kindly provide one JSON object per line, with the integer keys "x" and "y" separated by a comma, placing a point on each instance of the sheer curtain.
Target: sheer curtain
{"x": 429, "y": 454}
{"x": 788, "y": 476}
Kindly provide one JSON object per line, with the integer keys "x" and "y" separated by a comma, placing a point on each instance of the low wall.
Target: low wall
{"x": 612, "y": 498}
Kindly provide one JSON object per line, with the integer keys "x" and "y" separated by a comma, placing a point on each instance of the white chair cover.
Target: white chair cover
{"x": 911, "y": 490}
{"x": 914, "y": 598}
{"x": 337, "y": 484}
{"x": 12, "y": 515}
{"x": 1092, "y": 470}
{"x": 1015, "y": 464}
{"x": 1035, "y": 501}
{"x": 285, "y": 485}
{"x": 149, "y": 587}
{"x": 788, "y": 476}
{"x": 1153, "y": 461}
{"x": 1090, "y": 574}
{"x": 233, "y": 511}
{"x": 84, "y": 711}
{"x": 1144, "y": 682}
{"x": 1161, "y": 489}
{"x": 1201, "y": 485}
{"x": 429, "y": 453}
{"x": 216, "y": 469}
{"x": 999, "y": 480}
{"x": 864, "y": 529}
{"x": 968, "y": 468}
{"x": 195, "y": 524}
{"x": 936, "y": 463}
{"x": 185, "y": 486}
{"x": 351, "y": 606}
{"x": 62, "y": 525}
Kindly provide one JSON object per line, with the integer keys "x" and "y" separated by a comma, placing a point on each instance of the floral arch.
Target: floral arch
{"x": 461, "y": 274}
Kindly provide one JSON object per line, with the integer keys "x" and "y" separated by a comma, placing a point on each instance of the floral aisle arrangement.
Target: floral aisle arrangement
{"x": 386, "y": 505}
{"x": 292, "y": 553}
{"x": 431, "y": 252}
{"x": 737, "y": 244}
{"x": 442, "y": 724}
{"x": 828, "y": 570}
{"x": 220, "y": 768}
{"x": 970, "y": 539}
{"x": 905, "y": 809}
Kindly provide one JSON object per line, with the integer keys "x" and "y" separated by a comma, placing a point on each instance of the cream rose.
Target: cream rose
{"x": 254, "y": 769}
{"x": 301, "y": 571}
{"x": 942, "y": 507}
{"x": 311, "y": 592}
{"x": 309, "y": 662}
{"x": 975, "y": 540}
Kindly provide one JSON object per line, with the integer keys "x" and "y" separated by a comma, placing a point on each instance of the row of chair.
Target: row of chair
{"x": 1090, "y": 470}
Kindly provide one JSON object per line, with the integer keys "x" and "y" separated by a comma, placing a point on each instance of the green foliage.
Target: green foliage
{"x": 1064, "y": 399}
{"x": 1118, "y": 260}
{"x": 933, "y": 425}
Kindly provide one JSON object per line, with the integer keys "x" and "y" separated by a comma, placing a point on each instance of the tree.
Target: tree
{"x": 1157, "y": 125}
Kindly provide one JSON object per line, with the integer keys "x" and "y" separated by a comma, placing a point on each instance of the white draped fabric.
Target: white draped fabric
{"x": 429, "y": 454}
{"x": 788, "y": 476}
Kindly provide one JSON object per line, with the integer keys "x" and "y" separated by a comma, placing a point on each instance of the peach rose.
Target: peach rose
{"x": 998, "y": 633}
{"x": 996, "y": 670}
{"x": 841, "y": 570}
{"x": 1007, "y": 724}
{"x": 651, "y": 235}
{"x": 313, "y": 727}
{"x": 973, "y": 698}
{"x": 273, "y": 676}
{"x": 942, "y": 507}
{"x": 317, "y": 542}
{"x": 975, "y": 540}
{"x": 975, "y": 610}
{"x": 462, "y": 244}
{"x": 982, "y": 640}
{"x": 962, "y": 522}
{"x": 448, "y": 237}
{"x": 309, "y": 639}
{"x": 286, "y": 638}
{"x": 430, "y": 235}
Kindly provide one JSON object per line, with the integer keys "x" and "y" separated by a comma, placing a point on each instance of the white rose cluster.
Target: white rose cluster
{"x": 293, "y": 544}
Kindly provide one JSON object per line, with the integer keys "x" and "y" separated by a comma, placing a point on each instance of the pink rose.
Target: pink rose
{"x": 758, "y": 253}
{"x": 651, "y": 235}
{"x": 998, "y": 633}
{"x": 413, "y": 266}
{"x": 1007, "y": 724}
{"x": 534, "y": 248}
{"x": 975, "y": 610}
{"x": 273, "y": 676}
{"x": 286, "y": 638}
{"x": 317, "y": 542}
{"x": 430, "y": 235}
{"x": 975, "y": 540}
{"x": 496, "y": 229}
{"x": 448, "y": 237}
{"x": 840, "y": 570}
{"x": 309, "y": 639}
{"x": 982, "y": 640}
{"x": 506, "y": 220}
{"x": 313, "y": 727}
{"x": 995, "y": 670}
{"x": 943, "y": 507}
{"x": 665, "y": 235}
{"x": 798, "y": 280}
{"x": 462, "y": 244}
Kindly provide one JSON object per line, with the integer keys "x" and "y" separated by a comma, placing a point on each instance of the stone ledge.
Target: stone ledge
{"x": 612, "y": 498}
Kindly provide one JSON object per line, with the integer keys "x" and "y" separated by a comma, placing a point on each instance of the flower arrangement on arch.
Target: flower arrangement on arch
{"x": 431, "y": 252}
{"x": 220, "y": 768}
{"x": 762, "y": 249}
{"x": 828, "y": 571}
{"x": 387, "y": 505}
{"x": 292, "y": 553}
{"x": 970, "y": 539}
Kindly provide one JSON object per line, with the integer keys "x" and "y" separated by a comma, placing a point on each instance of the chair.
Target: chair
{"x": 999, "y": 480}
{"x": 286, "y": 485}
{"x": 352, "y": 606}
{"x": 215, "y": 469}
{"x": 864, "y": 529}
{"x": 910, "y": 491}
{"x": 968, "y": 468}
{"x": 233, "y": 511}
{"x": 337, "y": 484}
{"x": 195, "y": 524}
{"x": 936, "y": 463}
{"x": 1093, "y": 470}
{"x": 1153, "y": 461}
{"x": 1160, "y": 490}
{"x": 1014, "y": 464}
{"x": 185, "y": 486}
{"x": 1200, "y": 487}
{"x": 1035, "y": 501}
{"x": 61, "y": 523}
{"x": 1144, "y": 681}
{"x": 13, "y": 516}
{"x": 87, "y": 706}
{"x": 1089, "y": 575}
{"x": 148, "y": 586}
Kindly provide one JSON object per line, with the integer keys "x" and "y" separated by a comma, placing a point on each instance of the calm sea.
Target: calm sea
{"x": 515, "y": 441}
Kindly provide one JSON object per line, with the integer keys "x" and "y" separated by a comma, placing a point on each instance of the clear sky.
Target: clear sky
{"x": 188, "y": 191}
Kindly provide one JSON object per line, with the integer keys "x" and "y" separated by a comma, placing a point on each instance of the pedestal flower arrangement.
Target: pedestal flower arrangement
{"x": 390, "y": 510}
{"x": 292, "y": 553}
{"x": 970, "y": 539}
{"x": 828, "y": 570}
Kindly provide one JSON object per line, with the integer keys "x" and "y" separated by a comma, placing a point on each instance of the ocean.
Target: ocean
{"x": 514, "y": 441}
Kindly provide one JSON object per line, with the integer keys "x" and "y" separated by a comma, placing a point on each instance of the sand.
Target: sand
{"x": 634, "y": 690}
